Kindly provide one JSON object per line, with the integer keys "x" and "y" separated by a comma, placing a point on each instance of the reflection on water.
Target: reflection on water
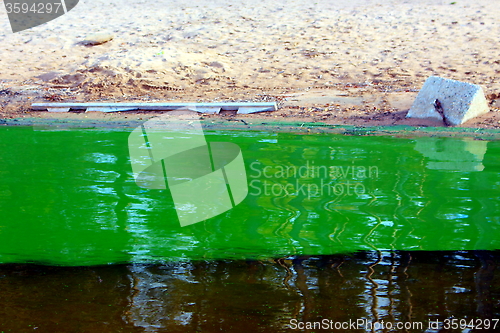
{"x": 458, "y": 155}
{"x": 69, "y": 198}
{"x": 252, "y": 296}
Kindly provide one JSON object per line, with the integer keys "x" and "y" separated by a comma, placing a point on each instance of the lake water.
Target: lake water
{"x": 333, "y": 226}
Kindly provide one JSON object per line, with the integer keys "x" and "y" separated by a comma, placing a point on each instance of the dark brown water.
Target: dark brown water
{"x": 254, "y": 296}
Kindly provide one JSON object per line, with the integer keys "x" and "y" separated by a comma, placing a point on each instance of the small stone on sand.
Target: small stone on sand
{"x": 98, "y": 38}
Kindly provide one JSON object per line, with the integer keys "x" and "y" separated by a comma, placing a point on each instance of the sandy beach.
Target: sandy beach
{"x": 357, "y": 62}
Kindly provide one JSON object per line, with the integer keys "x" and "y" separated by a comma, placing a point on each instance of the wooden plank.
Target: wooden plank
{"x": 200, "y": 107}
{"x": 109, "y": 109}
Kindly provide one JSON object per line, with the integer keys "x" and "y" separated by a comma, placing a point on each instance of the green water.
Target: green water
{"x": 68, "y": 197}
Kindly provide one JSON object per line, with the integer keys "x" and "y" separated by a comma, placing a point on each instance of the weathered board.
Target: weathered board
{"x": 241, "y": 107}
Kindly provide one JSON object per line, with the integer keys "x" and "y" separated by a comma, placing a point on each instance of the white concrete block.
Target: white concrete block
{"x": 459, "y": 101}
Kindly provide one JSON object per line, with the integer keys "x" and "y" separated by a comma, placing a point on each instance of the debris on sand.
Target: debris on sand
{"x": 97, "y": 39}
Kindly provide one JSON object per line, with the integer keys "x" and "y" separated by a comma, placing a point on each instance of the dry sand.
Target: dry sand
{"x": 348, "y": 62}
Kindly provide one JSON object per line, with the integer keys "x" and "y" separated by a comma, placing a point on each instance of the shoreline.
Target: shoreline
{"x": 78, "y": 121}
{"x": 343, "y": 106}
